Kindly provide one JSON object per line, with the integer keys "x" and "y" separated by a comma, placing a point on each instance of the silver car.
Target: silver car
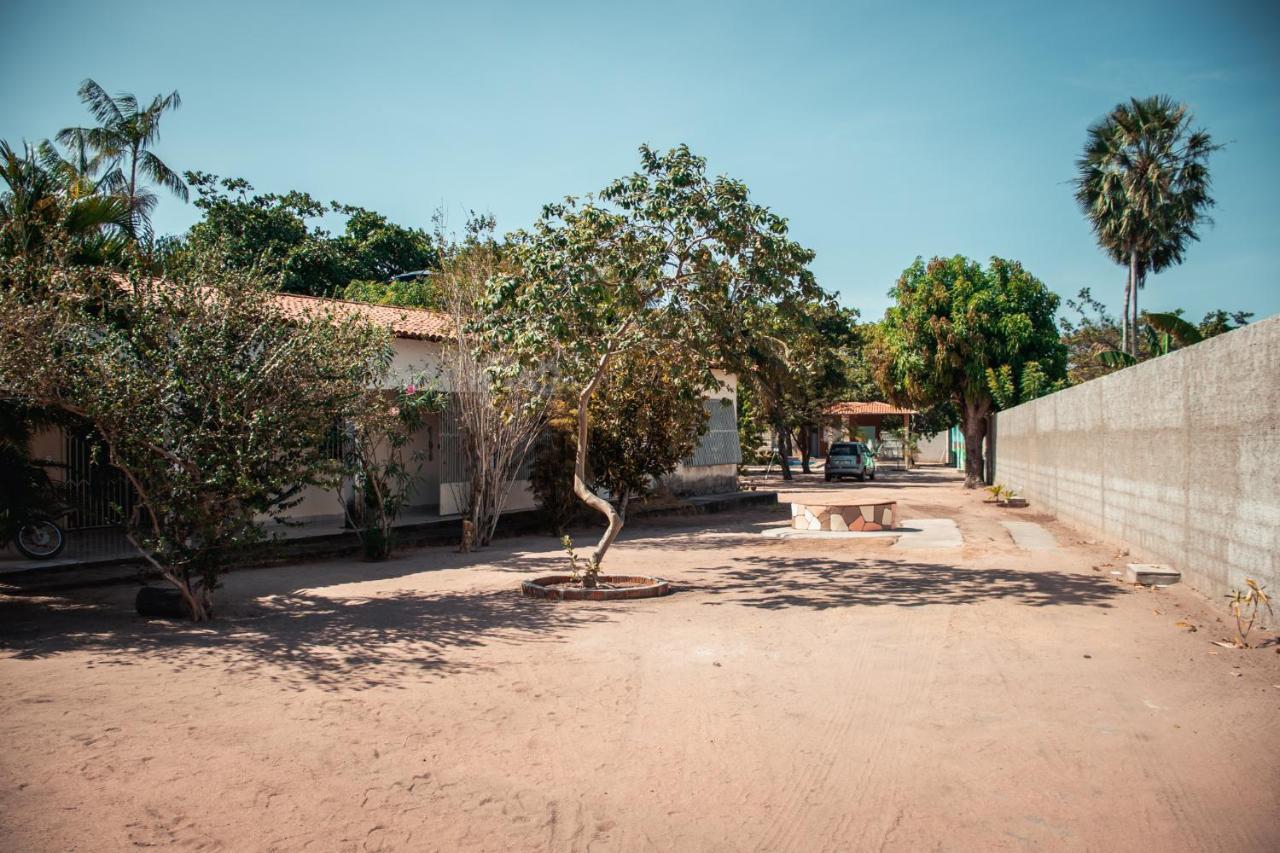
{"x": 849, "y": 459}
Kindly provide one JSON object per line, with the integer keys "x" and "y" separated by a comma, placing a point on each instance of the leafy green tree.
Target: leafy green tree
{"x": 213, "y": 403}
{"x": 417, "y": 292}
{"x": 377, "y": 437}
{"x": 1143, "y": 183}
{"x": 646, "y": 418}
{"x": 979, "y": 338}
{"x": 121, "y": 145}
{"x": 1219, "y": 322}
{"x": 663, "y": 259}
{"x": 279, "y": 237}
{"x": 374, "y": 249}
{"x": 792, "y": 356}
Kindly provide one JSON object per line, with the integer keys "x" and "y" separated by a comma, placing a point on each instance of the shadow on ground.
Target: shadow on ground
{"x": 776, "y": 582}
{"x": 300, "y": 639}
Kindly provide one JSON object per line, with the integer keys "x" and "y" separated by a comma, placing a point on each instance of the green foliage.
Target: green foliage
{"x": 752, "y": 424}
{"x": 551, "y": 470}
{"x": 277, "y": 237}
{"x": 645, "y": 419}
{"x": 40, "y": 212}
{"x": 1219, "y": 322}
{"x": 663, "y": 259}
{"x": 213, "y": 403}
{"x": 378, "y": 434}
{"x": 421, "y": 292}
{"x": 979, "y": 338}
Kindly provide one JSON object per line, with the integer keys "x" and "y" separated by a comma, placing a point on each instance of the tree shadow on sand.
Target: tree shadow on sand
{"x": 776, "y": 582}
{"x": 300, "y": 639}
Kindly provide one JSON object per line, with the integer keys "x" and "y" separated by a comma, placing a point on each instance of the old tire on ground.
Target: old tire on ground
{"x": 157, "y": 602}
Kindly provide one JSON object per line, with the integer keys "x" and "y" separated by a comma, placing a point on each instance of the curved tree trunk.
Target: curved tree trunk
{"x": 580, "y": 487}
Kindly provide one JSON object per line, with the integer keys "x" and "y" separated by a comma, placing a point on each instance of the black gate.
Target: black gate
{"x": 98, "y": 494}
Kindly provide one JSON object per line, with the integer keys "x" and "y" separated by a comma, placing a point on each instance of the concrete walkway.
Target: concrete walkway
{"x": 1030, "y": 536}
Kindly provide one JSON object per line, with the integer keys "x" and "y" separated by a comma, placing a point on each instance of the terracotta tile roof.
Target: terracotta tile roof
{"x": 417, "y": 323}
{"x": 854, "y": 407}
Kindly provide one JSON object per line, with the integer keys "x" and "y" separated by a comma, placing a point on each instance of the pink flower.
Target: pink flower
{"x": 411, "y": 389}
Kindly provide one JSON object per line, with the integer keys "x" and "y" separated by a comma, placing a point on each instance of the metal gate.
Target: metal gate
{"x": 98, "y": 493}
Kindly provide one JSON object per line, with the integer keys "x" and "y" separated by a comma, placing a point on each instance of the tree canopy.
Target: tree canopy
{"x": 982, "y": 338}
{"x": 280, "y": 238}
{"x": 664, "y": 259}
{"x": 215, "y": 405}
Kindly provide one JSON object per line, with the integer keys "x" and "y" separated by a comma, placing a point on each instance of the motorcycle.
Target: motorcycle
{"x": 38, "y": 538}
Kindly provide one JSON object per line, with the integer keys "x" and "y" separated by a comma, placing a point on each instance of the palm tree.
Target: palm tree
{"x": 35, "y": 203}
{"x": 1143, "y": 183}
{"x": 77, "y": 171}
{"x": 122, "y": 141}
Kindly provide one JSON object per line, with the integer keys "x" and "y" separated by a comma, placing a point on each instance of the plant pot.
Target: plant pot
{"x": 1015, "y": 503}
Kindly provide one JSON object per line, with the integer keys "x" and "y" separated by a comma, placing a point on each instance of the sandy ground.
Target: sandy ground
{"x": 792, "y": 696}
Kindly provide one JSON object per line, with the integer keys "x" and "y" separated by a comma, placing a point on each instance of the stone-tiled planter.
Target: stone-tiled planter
{"x": 843, "y": 517}
{"x": 565, "y": 588}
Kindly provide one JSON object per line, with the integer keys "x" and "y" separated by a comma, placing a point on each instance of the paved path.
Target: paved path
{"x": 1030, "y": 536}
{"x": 932, "y": 533}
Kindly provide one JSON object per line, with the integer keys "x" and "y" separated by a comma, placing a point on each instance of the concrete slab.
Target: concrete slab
{"x": 1150, "y": 574}
{"x": 914, "y": 533}
{"x": 1030, "y": 536}
{"x": 929, "y": 533}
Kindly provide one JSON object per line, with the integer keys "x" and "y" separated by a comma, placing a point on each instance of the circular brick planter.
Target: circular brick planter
{"x": 565, "y": 588}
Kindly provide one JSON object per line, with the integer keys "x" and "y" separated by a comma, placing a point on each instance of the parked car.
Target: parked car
{"x": 849, "y": 459}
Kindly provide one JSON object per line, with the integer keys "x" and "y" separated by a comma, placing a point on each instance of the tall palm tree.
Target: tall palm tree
{"x": 122, "y": 140}
{"x": 1143, "y": 183}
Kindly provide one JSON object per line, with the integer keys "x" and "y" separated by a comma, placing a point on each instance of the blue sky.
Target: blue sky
{"x": 882, "y": 130}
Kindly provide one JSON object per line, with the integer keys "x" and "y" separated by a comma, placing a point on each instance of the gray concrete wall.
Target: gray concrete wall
{"x": 1177, "y": 458}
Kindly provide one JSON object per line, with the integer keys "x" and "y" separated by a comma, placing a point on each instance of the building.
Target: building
{"x": 100, "y": 494}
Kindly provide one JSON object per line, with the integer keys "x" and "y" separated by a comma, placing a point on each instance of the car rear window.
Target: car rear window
{"x": 843, "y": 450}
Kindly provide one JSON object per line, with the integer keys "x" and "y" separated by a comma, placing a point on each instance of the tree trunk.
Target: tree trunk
{"x": 580, "y": 488}
{"x": 802, "y": 440}
{"x": 1124, "y": 314}
{"x": 196, "y": 595}
{"x": 1129, "y": 337}
{"x": 1138, "y": 276}
{"x": 784, "y": 451}
{"x": 973, "y": 419}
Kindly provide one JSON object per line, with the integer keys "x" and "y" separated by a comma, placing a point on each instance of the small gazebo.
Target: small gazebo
{"x": 865, "y": 420}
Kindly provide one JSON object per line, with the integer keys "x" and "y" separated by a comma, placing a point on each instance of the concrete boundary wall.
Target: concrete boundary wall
{"x": 1177, "y": 458}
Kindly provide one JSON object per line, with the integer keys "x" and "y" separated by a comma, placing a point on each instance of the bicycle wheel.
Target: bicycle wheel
{"x": 40, "y": 540}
